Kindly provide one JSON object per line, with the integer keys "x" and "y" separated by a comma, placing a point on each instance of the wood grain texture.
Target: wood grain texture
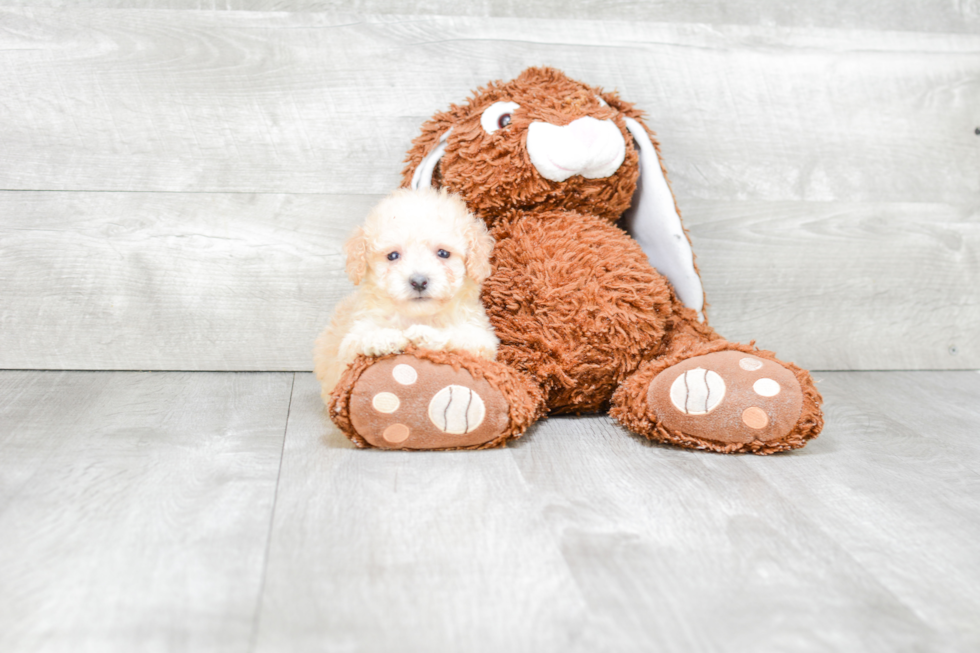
{"x": 408, "y": 552}
{"x": 682, "y": 552}
{"x": 915, "y": 517}
{"x": 135, "y": 515}
{"x": 581, "y": 537}
{"x": 911, "y": 15}
{"x": 246, "y": 281}
{"x": 838, "y": 285}
{"x": 844, "y": 545}
{"x": 828, "y": 176}
{"x": 170, "y": 281}
{"x": 328, "y": 102}
{"x": 135, "y": 508}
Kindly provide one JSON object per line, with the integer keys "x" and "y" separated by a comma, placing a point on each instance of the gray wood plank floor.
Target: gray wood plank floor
{"x": 135, "y": 508}
{"x": 222, "y": 512}
{"x": 177, "y": 179}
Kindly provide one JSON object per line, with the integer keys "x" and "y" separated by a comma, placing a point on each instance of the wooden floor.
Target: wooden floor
{"x": 177, "y": 179}
{"x": 192, "y": 511}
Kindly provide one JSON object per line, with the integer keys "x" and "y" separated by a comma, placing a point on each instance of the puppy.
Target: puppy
{"x": 419, "y": 261}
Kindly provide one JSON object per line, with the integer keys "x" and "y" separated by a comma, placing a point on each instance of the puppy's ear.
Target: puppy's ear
{"x": 479, "y": 247}
{"x": 356, "y": 249}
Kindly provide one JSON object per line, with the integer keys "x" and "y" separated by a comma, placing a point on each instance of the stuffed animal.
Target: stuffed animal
{"x": 590, "y": 316}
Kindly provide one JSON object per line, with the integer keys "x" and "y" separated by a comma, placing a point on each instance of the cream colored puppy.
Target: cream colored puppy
{"x": 418, "y": 261}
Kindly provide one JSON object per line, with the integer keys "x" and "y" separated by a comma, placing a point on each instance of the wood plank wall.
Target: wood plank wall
{"x": 177, "y": 176}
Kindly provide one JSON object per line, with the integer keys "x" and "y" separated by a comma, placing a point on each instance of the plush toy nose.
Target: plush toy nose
{"x": 419, "y": 282}
{"x": 592, "y": 148}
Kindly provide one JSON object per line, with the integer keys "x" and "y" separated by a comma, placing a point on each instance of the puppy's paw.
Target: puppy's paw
{"x": 489, "y": 353}
{"x": 381, "y": 342}
{"x": 477, "y": 341}
{"x": 426, "y": 336}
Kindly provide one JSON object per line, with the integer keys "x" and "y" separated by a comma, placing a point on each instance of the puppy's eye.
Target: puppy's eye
{"x": 442, "y": 253}
{"x": 393, "y": 256}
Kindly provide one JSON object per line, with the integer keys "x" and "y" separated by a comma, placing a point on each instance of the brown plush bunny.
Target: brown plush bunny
{"x": 589, "y": 317}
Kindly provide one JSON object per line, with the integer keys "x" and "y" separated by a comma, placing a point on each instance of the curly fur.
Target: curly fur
{"x": 630, "y": 405}
{"x": 401, "y": 243}
{"x": 604, "y": 312}
{"x": 493, "y": 173}
{"x": 576, "y": 304}
{"x": 572, "y": 297}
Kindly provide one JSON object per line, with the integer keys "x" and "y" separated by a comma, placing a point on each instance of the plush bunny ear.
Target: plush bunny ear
{"x": 422, "y": 177}
{"x": 653, "y": 222}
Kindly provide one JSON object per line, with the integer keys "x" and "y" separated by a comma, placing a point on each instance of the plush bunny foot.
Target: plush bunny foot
{"x": 732, "y": 399}
{"x": 433, "y": 400}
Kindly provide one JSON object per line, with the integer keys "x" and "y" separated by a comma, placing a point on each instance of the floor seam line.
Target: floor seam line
{"x": 253, "y": 639}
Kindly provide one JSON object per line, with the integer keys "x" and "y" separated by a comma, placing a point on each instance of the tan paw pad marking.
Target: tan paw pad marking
{"x": 396, "y": 433}
{"x": 697, "y": 391}
{"x": 755, "y": 418}
{"x": 750, "y": 364}
{"x": 456, "y": 409}
{"x": 385, "y": 402}
{"x": 766, "y": 388}
{"x": 405, "y": 374}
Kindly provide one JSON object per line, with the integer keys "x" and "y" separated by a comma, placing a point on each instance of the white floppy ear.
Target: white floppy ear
{"x": 422, "y": 177}
{"x": 653, "y": 222}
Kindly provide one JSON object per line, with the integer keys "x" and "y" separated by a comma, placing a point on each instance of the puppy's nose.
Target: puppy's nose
{"x": 419, "y": 282}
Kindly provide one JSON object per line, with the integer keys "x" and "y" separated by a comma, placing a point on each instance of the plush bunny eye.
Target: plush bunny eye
{"x": 442, "y": 253}
{"x": 497, "y": 116}
{"x": 393, "y": 256}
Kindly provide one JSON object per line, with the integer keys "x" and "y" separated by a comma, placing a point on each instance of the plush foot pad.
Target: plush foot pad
{"x": 409, "y": 403}
{"x": 729, "y": 397}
